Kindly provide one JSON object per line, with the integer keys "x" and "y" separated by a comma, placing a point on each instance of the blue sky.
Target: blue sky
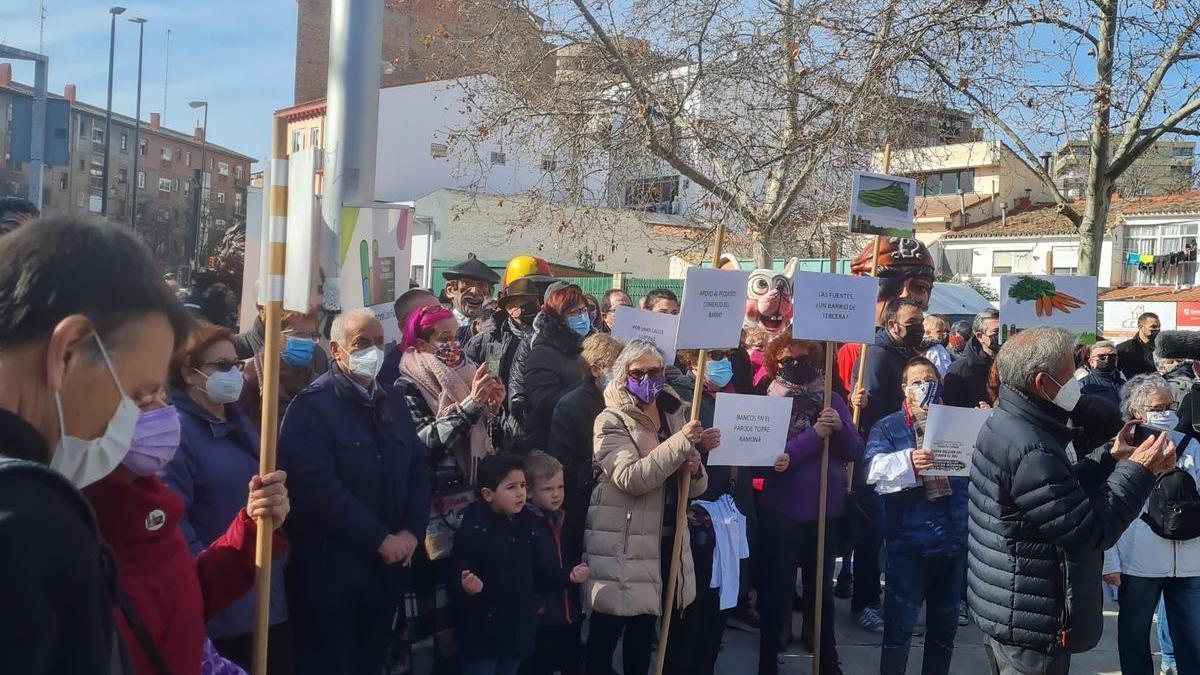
{"x": 239, "y": 55}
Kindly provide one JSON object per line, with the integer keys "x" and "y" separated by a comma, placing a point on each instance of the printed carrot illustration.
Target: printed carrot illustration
{"x": 1045, "y": 296}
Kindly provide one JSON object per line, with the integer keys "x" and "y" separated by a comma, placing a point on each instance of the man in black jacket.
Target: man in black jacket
{"x": 1137, "y": 355}
{"x": 1104, "y": 378}
{"x": 1039, "y": 524}
{"x": 966, "y": 381}
{"x": 86, "y": 329}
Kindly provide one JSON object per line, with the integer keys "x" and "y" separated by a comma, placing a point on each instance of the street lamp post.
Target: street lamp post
{"x": 112, "y": 41}
{"x": 196, "y": 250}
{"x": 137, "y": 127}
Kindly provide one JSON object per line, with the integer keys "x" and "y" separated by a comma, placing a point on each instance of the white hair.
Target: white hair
{"x": 1135, "y": 395}
{"x": 1102, "y": 344}
{"x": 634, "y": 350}
{"x": 337, "y": 332}
{"x": 1032, "y": 351}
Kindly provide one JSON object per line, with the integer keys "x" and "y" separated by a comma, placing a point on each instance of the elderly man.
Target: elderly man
{"x": 1104, "y": 378}
{"x": 468, "y": 285}
{"x": 1039, "y": 523}
{"x": 966, "y": 380}
{"x": 360, "y": 498}
{"x": 1137, "y": 354}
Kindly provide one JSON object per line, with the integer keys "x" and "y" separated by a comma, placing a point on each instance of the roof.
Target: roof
{"x": 26, "y": 90}
{"x": 947, "y": 205}
{"x": 1151, "y": 294}
{"x": 1044, "y": 220}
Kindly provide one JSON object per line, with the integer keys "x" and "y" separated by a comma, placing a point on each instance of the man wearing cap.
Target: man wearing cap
{"x": 468, "y": 284}
{"x": 519, "y": 304}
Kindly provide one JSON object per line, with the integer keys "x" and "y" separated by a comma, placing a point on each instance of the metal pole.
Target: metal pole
{"x": 137, "y": 129}
{"x": 200, "y": 205}
{"x": 112, "y": 39}
{"x": 37, "y": 135}
{"x": 276, "y": 229}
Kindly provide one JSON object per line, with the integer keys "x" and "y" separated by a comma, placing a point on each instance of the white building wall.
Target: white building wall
{"x": 1065, "y": 250}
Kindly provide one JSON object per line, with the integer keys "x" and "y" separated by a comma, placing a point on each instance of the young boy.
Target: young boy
{"x": 925, "y": 528}
{"x": 560, "y": 615}
{"x": 500, "y": 571}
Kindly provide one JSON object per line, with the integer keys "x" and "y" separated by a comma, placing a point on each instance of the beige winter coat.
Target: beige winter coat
{"x": 625, "y": 521}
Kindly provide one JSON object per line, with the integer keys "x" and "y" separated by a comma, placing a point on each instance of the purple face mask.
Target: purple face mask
{"x": 155, "y": 439}
{"x": 647, "y": 388}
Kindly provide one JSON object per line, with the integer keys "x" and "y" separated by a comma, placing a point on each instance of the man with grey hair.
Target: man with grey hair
{"x": 1104, "y": 378}
{"x": 1038, "y": 523}
{"x": 965, "y": 384}
{"x": 1179, "y": 374}
{"x": 360, "y": 503}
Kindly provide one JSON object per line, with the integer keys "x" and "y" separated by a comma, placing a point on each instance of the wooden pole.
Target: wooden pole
{"x": 276, "y": 239}
{"x": 684, "y": 482}
{"x": 822, "y": 497}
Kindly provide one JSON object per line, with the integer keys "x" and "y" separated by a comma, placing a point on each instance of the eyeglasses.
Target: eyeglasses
{"x": 225, "y": 366}
{"x": 639, "y": 374}
{"x": 788, "y": 361}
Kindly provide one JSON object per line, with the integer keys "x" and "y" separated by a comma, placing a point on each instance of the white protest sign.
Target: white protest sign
{"x": 753, "y": 429}
{"x": 714, "y": 306}
{"x": 950, "y": 433}
{"x": 630, "y": 323}
{"x": 834, "y": 307}
{"x": 1028, "y": 300}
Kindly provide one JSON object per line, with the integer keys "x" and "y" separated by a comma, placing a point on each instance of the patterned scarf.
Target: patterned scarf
{"x": 443, "y": 389}
{"x": 807, "y": 399}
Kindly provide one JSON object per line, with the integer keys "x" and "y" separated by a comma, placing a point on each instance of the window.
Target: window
{"x": 85, "y": 126}
{"x": 141, "y": 180}
{"x": 1182, "y": 153}
{"x": 418, "y": 273}
{"x": 82, "y": 164}
{"x": 166, "y": 185}
{"x": 1011, "y": 262}
{"x": 314, "y": 137}
{"x": 1065, "y": 260}
{"x": 549, "y": 165}
{"x": 237, "y": 202}
{"x": 165, "y": 153}
{"x": 498, "y": 158}
{"x": 948, "y": 182}
{"x": 80, "y": 199}
{"x": 124, "y": 141}
{"x": 223, "y": 168}
{"x": 295, "y": 140}
{"x": 656, "y": 195}
{"x": 239, "y": 172}
{"x": 187, "y": 157}
{"x": 142, "y": 147}
{"x": 122, "y": 175}
{"x": 62, "y": 181}
{"x": 438, "y": 150}
{"x": 220, "y": 197}
{"x": 97, "y": 133}
{"x": 187, "y": 188}
{"x": 210, "y": 163}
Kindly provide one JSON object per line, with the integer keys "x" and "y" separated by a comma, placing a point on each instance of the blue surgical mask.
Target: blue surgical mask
{"x": 719, "y": 373}
{"x": 581, "y": 324}
{"x": 298, "y": 352}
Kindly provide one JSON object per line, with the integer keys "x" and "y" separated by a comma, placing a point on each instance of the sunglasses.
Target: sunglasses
{"x": 225, "y": 366}
{"x": 639, "y": 374}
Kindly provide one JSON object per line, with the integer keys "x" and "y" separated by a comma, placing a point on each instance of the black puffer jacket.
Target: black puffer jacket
{"x": 966, "y": 380}
{"x": 542, "y": 376}
{"x": 1039, "y": 527}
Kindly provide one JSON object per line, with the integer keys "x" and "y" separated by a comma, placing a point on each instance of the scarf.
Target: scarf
{"x": 935, "y": 486}
{"x": 807, "y": 400}
{"x": 443, "y": 390}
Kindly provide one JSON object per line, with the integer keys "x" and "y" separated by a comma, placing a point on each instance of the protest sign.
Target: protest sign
{"x": 834, "y": 307}
{"x": 950, "y": 433}
{"x": 1068, "y": 302}
{"x": 630, "y": 323}
{"x": 714, "y": 304}
{"x": 753, "y": 429}
{"x": 882, "y": 205}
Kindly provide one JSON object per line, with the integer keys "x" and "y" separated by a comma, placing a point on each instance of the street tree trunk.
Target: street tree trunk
{"x": 1099, "y": 186}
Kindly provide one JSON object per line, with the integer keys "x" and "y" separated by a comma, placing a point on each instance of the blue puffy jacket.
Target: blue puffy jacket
{"x": 912, "y": 524}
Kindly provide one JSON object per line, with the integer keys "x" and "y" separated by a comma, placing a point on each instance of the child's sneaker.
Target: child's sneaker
{"x": 869, "y": 620}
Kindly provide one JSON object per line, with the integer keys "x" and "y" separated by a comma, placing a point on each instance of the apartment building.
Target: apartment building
{"x": 1167, "y": 167}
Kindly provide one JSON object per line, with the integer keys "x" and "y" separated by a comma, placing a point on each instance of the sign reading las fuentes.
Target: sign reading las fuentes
{"x": 834, "y": 307}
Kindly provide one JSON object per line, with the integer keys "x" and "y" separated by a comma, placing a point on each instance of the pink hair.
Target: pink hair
{"x": 420, "y": 322}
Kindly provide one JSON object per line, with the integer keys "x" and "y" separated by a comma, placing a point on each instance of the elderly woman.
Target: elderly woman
{"x": 641, "y": 441}
{"x": 1147, "y": 566}
{"x": 300, "y": 361}
{"x": 788, "y": 508}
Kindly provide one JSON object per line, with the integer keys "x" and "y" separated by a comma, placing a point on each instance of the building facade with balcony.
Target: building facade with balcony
{"x": 169, "y": 177}
{"x": 1167, "y": 167}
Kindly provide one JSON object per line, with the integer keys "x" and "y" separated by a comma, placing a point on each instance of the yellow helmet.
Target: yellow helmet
{"x": 524, "y": 266}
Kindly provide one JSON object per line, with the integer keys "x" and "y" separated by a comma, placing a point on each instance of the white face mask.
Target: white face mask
{"x": 1068, "y": 394}
{"x": 83, "y": 461}
{"x": 366, "y": 362}
{"x": 1162, "y": 420}
{"x": 223, "y": 386}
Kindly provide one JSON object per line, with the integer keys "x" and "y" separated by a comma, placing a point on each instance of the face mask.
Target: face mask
{"x": 448, "y": 353}
{"x": 912, "y": 338}
{"x": 223, "y": 386}
{"x": 298, "y": 352}
{"x": 922, "y": 394}
{"x": 529, "y": 310}
{"x": 83, "y": 461}
{"x": 719, "y": 373}
{"x": 798, "y": 373}
{"x": 366, "y": 363}
{"x": 155, "y": 439}
{"x": 1068, "y": 394}
{"x": 647, "y": 388}
{"x": 1108, "y": 365}
{"x": 1162, "y": 420}
{"x": 756, "y": 357}
{"x": 581, "y": 324}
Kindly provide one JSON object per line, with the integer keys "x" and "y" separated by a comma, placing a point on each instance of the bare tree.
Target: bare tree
{"x": 744, "y": 113}
{"x": 1120, "y": 75}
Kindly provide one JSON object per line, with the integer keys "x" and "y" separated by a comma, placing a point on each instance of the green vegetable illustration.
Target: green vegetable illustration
{"x": 894, "y": 196}
{"x": 1043, "y": 293}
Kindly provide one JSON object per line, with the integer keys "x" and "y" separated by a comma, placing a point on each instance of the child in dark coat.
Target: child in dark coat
{"x": 501, "y": 572}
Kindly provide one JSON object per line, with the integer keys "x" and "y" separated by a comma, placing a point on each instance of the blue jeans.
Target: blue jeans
{"x": 491, "y": 667}
{"x": 1139, "y": 599}
{"x": 912, "y": 580}
{"x": 1164, "y": 636}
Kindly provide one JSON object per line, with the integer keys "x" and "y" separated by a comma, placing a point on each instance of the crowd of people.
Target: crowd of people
{"x": 502, "y": 480}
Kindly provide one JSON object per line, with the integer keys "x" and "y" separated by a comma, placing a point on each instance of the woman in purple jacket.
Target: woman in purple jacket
{"x": 787, "y": 509}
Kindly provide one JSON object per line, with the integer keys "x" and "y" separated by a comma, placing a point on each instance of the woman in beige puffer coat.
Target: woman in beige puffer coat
{"x": 642, "y": 439}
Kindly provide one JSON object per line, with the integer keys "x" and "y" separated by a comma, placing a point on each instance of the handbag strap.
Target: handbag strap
{"x": 143, "y": 638}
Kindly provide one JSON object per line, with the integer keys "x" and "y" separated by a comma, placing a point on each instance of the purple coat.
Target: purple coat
{"x": 794, "y": 492}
